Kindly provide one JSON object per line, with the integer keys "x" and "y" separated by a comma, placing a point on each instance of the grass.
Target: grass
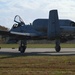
{"x": 50, "y": 45}
{"x": 37, "y": 65}
{"x": 22, "y": 64}
{"x": 37, "y": 45}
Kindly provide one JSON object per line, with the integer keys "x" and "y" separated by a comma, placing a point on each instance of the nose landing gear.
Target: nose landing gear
{"x": 22, "y": 49}
{"x": 22, "y": 46}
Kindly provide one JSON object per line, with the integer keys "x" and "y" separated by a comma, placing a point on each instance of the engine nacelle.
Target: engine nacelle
{"x": 40, "y": 25}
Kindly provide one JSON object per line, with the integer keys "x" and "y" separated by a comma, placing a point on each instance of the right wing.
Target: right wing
{"x": 6, "y": 33}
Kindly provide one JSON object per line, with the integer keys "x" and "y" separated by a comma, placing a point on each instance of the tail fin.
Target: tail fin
{"x": 53, "y": 25}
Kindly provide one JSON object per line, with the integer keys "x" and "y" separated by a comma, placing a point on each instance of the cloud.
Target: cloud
{"x": 32, "y": 9}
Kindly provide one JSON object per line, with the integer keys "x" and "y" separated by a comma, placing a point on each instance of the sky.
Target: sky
{"x": 29, "y": 10}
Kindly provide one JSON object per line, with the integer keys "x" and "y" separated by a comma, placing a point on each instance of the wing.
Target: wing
{"x": 22, "y": 34}
{"x": 4, "y": 33}
{"x": 68, "y": 30}
{"x": 12, "y": 33}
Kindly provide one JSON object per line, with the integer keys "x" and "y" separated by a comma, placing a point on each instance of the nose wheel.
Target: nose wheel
{"x": 22, "y": 49}
{"x": 22, "y": 46}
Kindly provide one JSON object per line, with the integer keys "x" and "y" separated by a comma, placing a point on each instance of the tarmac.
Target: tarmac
{"x": 38, "y": 52}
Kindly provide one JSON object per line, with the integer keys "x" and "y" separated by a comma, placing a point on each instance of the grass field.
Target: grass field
{"x": 21, "y": 64}
{"x": 37, "y": 45}
{"x": 37, "y": 65}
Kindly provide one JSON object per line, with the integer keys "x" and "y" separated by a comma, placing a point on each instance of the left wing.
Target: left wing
{"x": 12, "y": 33}
{"x": 22, "y": 34}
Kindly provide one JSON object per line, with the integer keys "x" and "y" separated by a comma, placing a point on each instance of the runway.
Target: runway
{"x": 39, "y": 51}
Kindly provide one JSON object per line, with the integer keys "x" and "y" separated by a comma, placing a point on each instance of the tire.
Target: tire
{"x": 22, "y": 49}
{"x": 57, "y": 48}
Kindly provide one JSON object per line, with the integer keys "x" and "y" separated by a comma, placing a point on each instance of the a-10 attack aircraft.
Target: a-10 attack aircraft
{"x": 52, "y": 28}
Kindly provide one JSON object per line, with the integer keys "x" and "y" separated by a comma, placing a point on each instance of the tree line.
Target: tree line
{"x": 2, "y": 40}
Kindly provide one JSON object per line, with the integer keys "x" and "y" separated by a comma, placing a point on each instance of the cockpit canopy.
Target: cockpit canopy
{"x": 19, "y": 21}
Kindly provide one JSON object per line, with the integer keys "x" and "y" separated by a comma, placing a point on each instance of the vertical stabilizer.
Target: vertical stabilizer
{"x": 53, "y": 25}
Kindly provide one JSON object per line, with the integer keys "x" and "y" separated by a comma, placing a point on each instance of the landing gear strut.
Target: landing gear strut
{"x": 22, "y": 46}
{"x": 57, "y": 47}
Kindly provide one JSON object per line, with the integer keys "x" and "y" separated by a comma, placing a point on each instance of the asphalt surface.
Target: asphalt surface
{"x": 38, "y": 52}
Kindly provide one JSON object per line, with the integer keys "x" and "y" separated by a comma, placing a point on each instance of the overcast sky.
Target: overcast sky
{"x": 29, "y": 10}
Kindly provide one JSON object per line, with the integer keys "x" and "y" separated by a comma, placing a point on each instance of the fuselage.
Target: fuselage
{"x": 40, "y": 26}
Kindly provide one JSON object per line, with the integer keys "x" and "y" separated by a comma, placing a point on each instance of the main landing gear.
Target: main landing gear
{"x": 22, "y": 46}
{"x": 57, "y": 47}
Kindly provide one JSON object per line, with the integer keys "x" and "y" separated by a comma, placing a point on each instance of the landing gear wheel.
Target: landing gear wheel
{"x": 22, "y": 49}
{"x": 57, "y": 48}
